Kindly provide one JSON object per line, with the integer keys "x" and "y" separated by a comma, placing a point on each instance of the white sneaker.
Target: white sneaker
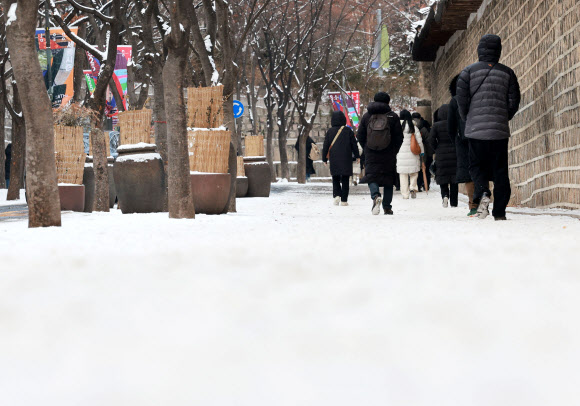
{"x": 344, "y": 203}
{"x": 483, "y": 209}
{"x": 445, "y": 201}
{"x": 377, "y": 205}
{"x": 336, "y": 201}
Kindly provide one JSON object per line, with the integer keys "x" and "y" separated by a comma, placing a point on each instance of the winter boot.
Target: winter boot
{"x": 445, "y": 201}
{"x": 500, "y": 218}
{"x": 389, "y": 212}
{"x": 377, "y": 205}
{"x": 413, "y": 194}
{"x": 336, "y": 201}
{"x": 483, "y": 209}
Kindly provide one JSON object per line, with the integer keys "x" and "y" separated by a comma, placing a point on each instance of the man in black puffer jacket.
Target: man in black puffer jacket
{"x": 488, "y": 95}
{"x": 446, "y": 162}
{"x": 381, "y": 166}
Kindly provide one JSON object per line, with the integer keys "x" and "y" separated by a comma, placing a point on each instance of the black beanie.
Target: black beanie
{"x": 416, "y": 115}
{"x": 383, "y": 97}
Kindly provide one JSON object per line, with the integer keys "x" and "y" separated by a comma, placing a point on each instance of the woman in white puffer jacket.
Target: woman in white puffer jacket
{"x": 409, "y": 164}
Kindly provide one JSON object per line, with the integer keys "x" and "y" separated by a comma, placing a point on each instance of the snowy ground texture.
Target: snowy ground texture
{"x": 292, "y": 301}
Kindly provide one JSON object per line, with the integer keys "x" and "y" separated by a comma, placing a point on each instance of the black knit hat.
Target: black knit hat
{"x": 416, "y": 115}
{"x": 383, "y": 97}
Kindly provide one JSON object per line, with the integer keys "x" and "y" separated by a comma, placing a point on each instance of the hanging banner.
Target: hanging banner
{"x": 382, "y": 50}
{"x": 349, "y": 104}
{"x": 62, "y": 50}
{"x": 124, "y": 53}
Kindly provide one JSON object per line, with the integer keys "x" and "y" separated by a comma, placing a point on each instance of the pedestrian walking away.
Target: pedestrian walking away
{"x": 309, "y": 162}
{"x": 340, "y": 146}
{"x": 425, "y": 131}
{"x": 456, "y": 129}
{"x": 445, "y": 157}
{"x": 381, "y": 136}
{"x": 409, "y": 163}
{"x": 7, "y": 163}
{"x": 488, "y": 96}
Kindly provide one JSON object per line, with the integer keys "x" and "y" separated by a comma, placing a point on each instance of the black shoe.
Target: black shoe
{"x": 500, "y": 218}
{"x": 389, "y": 212}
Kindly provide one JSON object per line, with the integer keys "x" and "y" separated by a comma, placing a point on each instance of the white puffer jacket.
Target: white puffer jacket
{"x": 407, "y": 162}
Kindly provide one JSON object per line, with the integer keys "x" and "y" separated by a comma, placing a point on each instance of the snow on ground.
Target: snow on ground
{"x": 291, "y": 301}
{"x": 4, "y": 202}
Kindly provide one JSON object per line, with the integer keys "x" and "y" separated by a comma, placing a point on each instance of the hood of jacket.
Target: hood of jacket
{"x": 338, "y": 119}
{"x": 418, "y": 123}
{"x": 378, "y": 108}
{"x": 489, "y": 48}
{"x": 453, "y": 86}
{"x": 442, "y": 113}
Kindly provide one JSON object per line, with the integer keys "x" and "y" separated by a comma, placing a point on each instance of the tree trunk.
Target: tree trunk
{"x": 100, "y": 146}
{"x": 282, "y": 141}
{"x": 41, "y": 179}
{"x": 18, "y": 150}
{"x": 228, "y": 108}
{"x": 301, "y": 169}
{"x": 160, "y": 124}
{"x": 179, "y": 193}
{"x": 269, "y": 143}
{"x": 2, "y": 143}
{"x": 80, "y": 63}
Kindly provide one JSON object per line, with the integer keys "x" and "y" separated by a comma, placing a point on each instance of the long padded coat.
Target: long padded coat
{"x": 488, "y": 93}
{"x": 407, "y": 162}
{"x": 344, "y": 148}
{"x": 381, "y": 166}
{"x": 445, "y": 156}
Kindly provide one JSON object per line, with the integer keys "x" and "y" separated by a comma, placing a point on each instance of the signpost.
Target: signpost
{"x": 238, "y": 109}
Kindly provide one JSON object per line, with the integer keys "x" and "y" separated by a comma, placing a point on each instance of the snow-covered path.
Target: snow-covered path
{"x": 292, "y": 301}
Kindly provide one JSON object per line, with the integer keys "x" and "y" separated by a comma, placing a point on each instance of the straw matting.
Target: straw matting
{"x": 205, "y": 107}
{"x": 70, "y": 154}
{"x": 209, "y": 151}
{"x": 241, "y": 169}
{"x": 135, "y": 126}
{"x": 254, "y": 145}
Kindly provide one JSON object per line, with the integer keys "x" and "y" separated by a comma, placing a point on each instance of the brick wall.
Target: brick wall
{"x": 541, "y": 43}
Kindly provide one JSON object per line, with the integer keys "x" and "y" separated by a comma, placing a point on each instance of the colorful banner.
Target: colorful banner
{"x": 382, "y": 50}
{"x": 124, "y": 53}
{"x": 62, "y": 62}
{"x": 349, "y": 104}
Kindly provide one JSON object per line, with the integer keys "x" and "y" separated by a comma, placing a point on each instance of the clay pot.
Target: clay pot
{"x": 89, "y": 182}
{"x": 210, "y": 192}
{"x": 72, "y": 197}
{"x": 241, "y": 186}
{"x": 258, "y": 174}
{"x": 139, "y": 179}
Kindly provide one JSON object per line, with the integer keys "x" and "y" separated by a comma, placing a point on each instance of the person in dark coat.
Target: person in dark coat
{"x": 446, "y": 167}
{"x": 424, "y": 129}
{"x": 456, "y": 129}
{"x": 8, "y": 160}
{"x": 381, "y": 166}
{"x": 488, "y": 96}
{"x": 309, "y": 162}
{"x": 340, "y": 155}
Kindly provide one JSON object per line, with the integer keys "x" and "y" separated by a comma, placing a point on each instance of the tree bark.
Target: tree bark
{"x": 80, "y": 63}
{"x": 41, "y": 179}
{"x": 179, "y": 193}
{"x": 100, "y": 147}
{"x": 18, "y": 149}
{"x": 2, "y": 143}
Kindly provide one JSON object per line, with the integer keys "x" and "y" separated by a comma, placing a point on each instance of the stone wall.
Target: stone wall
{"x": 541, "y": 43}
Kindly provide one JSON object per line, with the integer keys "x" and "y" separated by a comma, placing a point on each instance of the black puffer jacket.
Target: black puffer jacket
{"x": 381, "y": 166}
{"x": 446, "y": 160}
{"x": 488, "y": 93}
{"x": 456, "y": 129}
{"x": 344, "y": 148}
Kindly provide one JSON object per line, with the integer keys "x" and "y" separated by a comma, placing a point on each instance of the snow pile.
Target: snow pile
{"x": 131, "y": 147}
{"x": 291, "y": 301}
{"x": 139, "y": 157}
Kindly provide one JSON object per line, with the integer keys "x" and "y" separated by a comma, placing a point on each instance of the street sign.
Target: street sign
{"x": 238, "y": 109}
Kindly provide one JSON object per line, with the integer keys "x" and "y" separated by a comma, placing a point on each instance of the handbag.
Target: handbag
{"x": 333, "y": 141}
{"x": 314, "y": 153}
{"x": 415, "y": 148}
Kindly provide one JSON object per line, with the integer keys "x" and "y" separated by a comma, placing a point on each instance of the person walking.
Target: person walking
{"x": 309, "y": 162}
{"x": 456, "y": 129}
{"x": 7, "y": 162}
{"x": 424, "y": 130}
{"x": 381, "y": 136}
{"x": 409, "y": 163}
{"x": 445, "y": 158}
{"x": 488, "y": 96}
{"x": 340, "y": 146}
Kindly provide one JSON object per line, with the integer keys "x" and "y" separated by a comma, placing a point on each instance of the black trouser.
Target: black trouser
{"x": 420, "y": 184}
{"x": 451, "y": 194}
{"x": 337, "y": 190}
{"x": 490, "y": 158}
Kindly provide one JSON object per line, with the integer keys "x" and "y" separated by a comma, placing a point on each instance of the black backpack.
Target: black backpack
{"x": 378, "y": 132}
